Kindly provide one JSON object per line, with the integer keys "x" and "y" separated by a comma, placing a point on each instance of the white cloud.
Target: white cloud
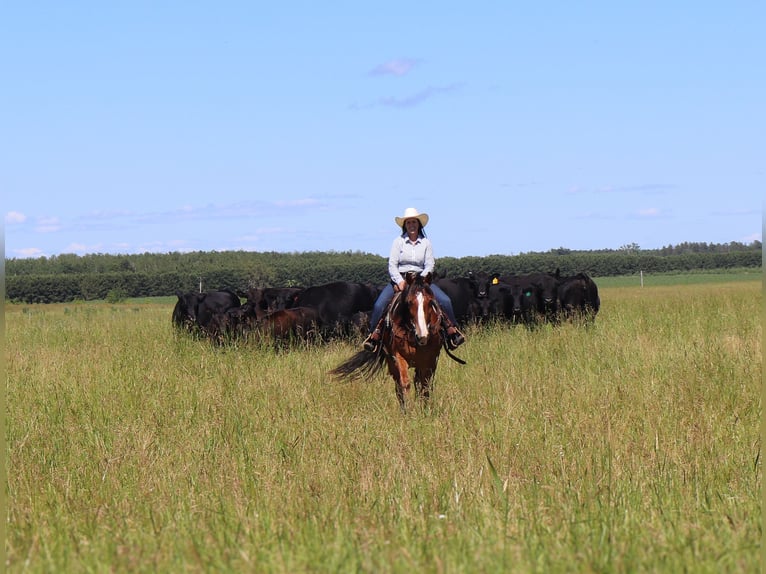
{"x": 642, "y": 188}
{"x": 734, "y": 212}
{"x": 420, "y": 97}
{"x": 261, "y": 231}
{"x": 649, "y": 212}
{"x": 29, "y": 252}
{"x": 15, "y": 217}
{"x": 83, "y": 248}
{"x": 304, "y": 202}
{"x": 595, "y": 215}
{"x": 398, "y": 67}
{"x": 48, "y": 224}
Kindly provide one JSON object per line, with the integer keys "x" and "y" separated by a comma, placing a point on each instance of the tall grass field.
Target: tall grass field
{"x": 632, "y": 445}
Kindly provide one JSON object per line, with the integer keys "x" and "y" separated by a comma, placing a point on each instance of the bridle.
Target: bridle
{"x": 409, "y": 324}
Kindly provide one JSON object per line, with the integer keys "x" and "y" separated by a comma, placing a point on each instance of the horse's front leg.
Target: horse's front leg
{"x": 398, "y": 368}
{"x": 423, "y": 378}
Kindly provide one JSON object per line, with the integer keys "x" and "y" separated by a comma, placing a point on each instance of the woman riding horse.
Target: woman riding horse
{"x": 411, "y": 251}
{"x": 412, "y": 338}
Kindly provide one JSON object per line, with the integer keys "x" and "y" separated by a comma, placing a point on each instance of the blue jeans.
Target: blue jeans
{"x": 388, "y": 293}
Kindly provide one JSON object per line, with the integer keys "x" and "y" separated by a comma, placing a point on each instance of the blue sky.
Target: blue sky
{"x": 132, "y": 127}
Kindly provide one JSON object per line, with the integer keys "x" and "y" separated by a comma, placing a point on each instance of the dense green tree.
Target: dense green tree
{"x": 70, "y": 277}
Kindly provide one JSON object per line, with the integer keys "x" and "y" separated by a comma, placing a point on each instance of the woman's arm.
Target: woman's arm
{"x": 393, "y": 262}
{"x": 430, "y": 262}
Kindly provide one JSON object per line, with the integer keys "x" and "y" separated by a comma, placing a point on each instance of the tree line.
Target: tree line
{"x": 69, "y": 277}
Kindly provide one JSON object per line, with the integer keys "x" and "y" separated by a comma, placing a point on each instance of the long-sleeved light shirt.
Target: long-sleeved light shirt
{"x": 410, "y": 256}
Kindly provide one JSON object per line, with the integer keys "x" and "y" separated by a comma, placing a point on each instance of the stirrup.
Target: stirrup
{"x": 372, "y": 342}
{"x": 454, "y": 338}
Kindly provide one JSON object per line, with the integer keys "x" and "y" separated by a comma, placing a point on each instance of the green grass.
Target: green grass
{"x": 629, "y": 446}
{"x": 693, "y": 278}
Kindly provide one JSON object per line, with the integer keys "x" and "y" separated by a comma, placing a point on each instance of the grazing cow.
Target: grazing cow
{"x": 337, "y": 303}
{"x": 462, "y": 293}
{"x": 272, "y": 298}
{"x": 295, "y": 323}
{"x": 578, "y": 297}
{"x": 195, "y": 310}
{"x": 289, "y": 325}
{"x": 233, "y": 323}
{"x": 213, "y": 302}
{"x": 184, "y": 312}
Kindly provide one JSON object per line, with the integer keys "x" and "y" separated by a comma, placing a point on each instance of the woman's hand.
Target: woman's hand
{"x": 401, "y": 285}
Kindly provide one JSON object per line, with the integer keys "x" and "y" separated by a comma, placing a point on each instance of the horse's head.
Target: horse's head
{"x": 420, "y": 307}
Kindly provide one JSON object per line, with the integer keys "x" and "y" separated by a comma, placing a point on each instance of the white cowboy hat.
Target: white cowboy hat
{"x": 412, "y": 213}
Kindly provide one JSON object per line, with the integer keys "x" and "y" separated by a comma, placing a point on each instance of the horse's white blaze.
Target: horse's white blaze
{"x": 421, "y": 327}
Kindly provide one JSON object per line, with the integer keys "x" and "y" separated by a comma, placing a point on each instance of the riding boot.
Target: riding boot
{"x": 372, "y": 342}
{"x": 454, "y": 337}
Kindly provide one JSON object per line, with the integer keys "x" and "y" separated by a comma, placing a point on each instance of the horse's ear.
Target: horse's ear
{"x": 428, "y": 278}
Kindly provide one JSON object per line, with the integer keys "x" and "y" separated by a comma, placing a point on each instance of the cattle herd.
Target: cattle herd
{"x": 342, "y": 308}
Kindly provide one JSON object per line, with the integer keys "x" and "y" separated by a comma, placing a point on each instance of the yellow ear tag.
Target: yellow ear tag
{"x": 495, "y": 281}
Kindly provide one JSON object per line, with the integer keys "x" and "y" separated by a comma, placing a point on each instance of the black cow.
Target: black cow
{"x": 518, "y": 298}
{"x": 492, "y": 306}
{"x": 233, "y": 323}
{"x": 462, "y": 293}
{"x": 337, "y": 303}
{"x": 195, "y": 310}
{"x": 273, "y": 298}
{"x": 490, "y": 296}
{"x": 546, "y": 285}
{"x": 481, "y": 281}
{"x": 185, "y": 311}
{"x": 578, "y": 297}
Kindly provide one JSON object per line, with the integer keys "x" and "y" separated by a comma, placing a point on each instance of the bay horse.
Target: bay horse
{"x": 413, "y": 337}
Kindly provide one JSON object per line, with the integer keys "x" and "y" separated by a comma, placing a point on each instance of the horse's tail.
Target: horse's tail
{"x": 363, "y": 364}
